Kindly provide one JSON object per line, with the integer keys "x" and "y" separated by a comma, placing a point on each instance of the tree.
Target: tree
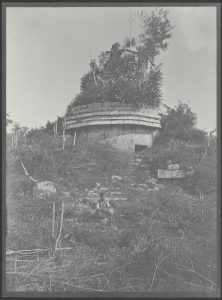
{"x": 179, "y": 123}
{"x": 15, "y": 135}
{"x": 156, "y": 31}
{"x": 8, "y": 120}
{"x": 24, "y": 133}
{"x": 49, "y": 127}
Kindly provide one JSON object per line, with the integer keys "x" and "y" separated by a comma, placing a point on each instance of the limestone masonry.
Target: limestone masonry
{"x": 125, "y": 127}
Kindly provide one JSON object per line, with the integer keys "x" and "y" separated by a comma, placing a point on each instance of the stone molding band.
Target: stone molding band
{"x": 97, "y": 114}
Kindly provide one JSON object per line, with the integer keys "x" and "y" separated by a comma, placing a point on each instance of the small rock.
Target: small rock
{"x": 116, "y": 177}
{"x": 44, "y": 189}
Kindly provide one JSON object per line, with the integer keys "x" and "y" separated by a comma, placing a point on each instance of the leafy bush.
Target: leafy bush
{"x": 179, "y": 152}
{"x": 179, "y": 124}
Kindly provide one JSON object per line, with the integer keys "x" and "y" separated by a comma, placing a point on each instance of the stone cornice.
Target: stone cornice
{"x": 112, "y": 113}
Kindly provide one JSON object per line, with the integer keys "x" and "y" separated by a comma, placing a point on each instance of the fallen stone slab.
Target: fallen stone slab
{"x": 170, "y": 174}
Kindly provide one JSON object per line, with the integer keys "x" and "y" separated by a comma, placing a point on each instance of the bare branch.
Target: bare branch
{"x": 74, "y": 140}
{"x": 82, "y": 287}
{"x": 208, "y": 142}
{"x": 33, "y": 251}
{"x": 60, "y": 227}
{"x": 182, "y": 279}
{"x": 213, "y": 131}
{"x": 160, "y": 237}
{"x": 115, "y": 269}
{"x": 156, "y": 267}
{"x": 53, "y": 219}
{"x": 27, "y": 174}
{"x": 154, "y": 275}
{"x": 188, "y": 269}
{"x": 63, "y": 134}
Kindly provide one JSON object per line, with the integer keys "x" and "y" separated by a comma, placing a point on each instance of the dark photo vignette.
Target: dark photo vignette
{"x": 104, "y": 213}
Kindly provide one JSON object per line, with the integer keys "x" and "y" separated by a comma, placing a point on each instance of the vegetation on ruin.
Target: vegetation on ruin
{"x": 128, "y": 73}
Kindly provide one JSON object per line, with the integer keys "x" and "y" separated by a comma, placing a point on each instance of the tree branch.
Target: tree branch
{"x": 188, "y": 269}
{"x": 156, "y": 267}
{"x": 27, "y": 174}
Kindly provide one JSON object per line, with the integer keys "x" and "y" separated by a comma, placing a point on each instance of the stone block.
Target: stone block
{"x": 44, "y": 189}
{"x": 170, "y": 174}
{"x": 116, "y": 177}
{"x": 173, "y": 167}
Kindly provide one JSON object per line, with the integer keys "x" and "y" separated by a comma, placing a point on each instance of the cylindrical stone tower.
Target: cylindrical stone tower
{"x": 125, "y": 127}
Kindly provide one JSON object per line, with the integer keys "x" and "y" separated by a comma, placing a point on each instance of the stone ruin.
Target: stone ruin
{"x": 125, "y": 127}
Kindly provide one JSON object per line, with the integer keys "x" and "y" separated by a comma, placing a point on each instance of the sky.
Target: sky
{"x": 48, "y": 50}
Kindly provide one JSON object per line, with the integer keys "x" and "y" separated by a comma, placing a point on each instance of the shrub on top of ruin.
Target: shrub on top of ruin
{"x": 129, "y": 75}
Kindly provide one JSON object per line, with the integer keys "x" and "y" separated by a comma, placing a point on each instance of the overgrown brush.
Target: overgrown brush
{"x": 156, "y": 242}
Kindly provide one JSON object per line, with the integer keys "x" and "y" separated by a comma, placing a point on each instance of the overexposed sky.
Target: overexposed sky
{"x": 48, "y": 50}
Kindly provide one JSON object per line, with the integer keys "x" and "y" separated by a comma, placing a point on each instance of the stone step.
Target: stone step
{"x": 141, "y": 184}
{"x": 114, "y": 193}
{"x": 138, "y": 160}
{"x": 123, "y": 193}
{"x": 139, "y": 155}
{"x": 139, "y": 188}
{"x": 90, "y": 200}
{"x": 135, "y": 163}
{"x": 129, "y": 178}
{"x": 132, "y": 168}
{"x": 91, "y": 197}
{"x": 118, "y": 198}
{"x": 116, "y": 178}
{"x": 93, "y": 193}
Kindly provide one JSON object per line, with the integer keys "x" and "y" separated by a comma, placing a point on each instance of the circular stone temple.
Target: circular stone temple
{"x": 125, "y": 127}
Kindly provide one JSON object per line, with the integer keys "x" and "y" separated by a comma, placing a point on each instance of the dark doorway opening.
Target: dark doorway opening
{"x": 140, "y": 148}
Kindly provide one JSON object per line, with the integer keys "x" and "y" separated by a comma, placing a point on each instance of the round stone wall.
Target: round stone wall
{"x": 122, "y": 126}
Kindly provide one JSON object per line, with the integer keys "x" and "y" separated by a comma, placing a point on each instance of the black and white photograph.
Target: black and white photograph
{"x": 111, "y": 180}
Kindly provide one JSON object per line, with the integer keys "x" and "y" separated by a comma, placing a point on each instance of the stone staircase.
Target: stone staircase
{"x": 123, "y": 188}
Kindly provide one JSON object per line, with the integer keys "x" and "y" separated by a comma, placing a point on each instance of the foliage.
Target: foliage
{"x": 8, "y": 120}
{"x": 156, "y": 31}
{"x": 46, "y": 160}
{"x": 122, "y": 74}
{"x": 179, "y": 153}
{"x": 179, "y": 123}
{"x": 204, "y": 178}
{"x": 170, "y": 226}
{"x": 180, "y": 142}
{"x": 157, "y": 241}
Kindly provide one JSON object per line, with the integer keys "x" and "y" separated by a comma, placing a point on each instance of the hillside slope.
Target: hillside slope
{"x": 160, "y": 239}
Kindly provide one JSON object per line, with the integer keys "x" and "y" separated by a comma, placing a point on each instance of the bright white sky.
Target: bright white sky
{"x": 48, "y": 51}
